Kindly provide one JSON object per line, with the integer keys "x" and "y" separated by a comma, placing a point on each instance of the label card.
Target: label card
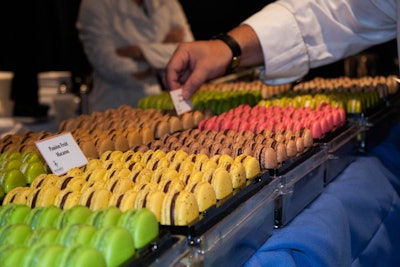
{"x": 61, "y": 153}
{"x": 181, "y": 105}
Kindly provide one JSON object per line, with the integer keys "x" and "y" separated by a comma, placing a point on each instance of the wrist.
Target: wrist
{"x": 235, "y": 49}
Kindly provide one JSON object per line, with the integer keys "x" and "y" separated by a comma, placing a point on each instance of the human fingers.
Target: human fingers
{"x": 177, "y": 70}
{"x": 194, "y": 63}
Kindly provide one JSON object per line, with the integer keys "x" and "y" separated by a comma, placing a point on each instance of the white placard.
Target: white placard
{"x": 181, "y": 105}
{"x": 61, "y": 153}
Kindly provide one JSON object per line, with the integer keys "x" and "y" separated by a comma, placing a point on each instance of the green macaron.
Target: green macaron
{"x": 14, "y": 234}
{"x": 12, "y": 256}
{"x": 105, "y": 217}
{"x": 76, "y": 234}
{"x": 44, "y": 235}
{"x": 142, "y": 224}
{"x": 43, "y": 255}
{"x": 43, "y": 216}
{"x": 75, "y": 215}
{"x": 115, "y": 243}
{"x": 13, "y": 213}
{"x": 82, "y": 256}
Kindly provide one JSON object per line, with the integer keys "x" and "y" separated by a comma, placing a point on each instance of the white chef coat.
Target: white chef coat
{"x": 105, "y": 25}
{"x": 319, "y": 32}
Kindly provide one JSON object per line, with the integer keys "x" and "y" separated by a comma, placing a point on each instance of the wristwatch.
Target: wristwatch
{"x": 235, "y": 48}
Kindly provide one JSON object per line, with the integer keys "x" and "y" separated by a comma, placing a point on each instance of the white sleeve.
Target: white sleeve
{"x": 298, "y": 35}
{"x": 158, "y": 54}
{"x": 95, "y": 31}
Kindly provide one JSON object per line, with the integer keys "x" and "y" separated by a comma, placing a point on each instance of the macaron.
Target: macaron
{"x": 93, "y": 184}
{"x": 105, "y": 217}
{"x": 45, "y": 235}
{"x": 115, "y": 243}
{"x": 220, "y": 180}
{"x": 205, "y": 194}
{"x": 155, "y": 163}
{"x": 44, "y": 179}
{"x": 145, "y": 185}
{"x": 307, "y": 136}
{"x": 266, "y": 156}
{"x": 142, "y": 224}
{"x": 43, "y": 196}
{"x": 67, "y": 199}
{"x": 76, "y": 234}
{"x": 13, "y": 213}
{"x": 12, "y": 256}
{"x": 14, "y": 234}
{"x": 151, "y": 199}
{"x": 141, "y": 175}
{"x": 74, "y": 183}
{"x": 81, "y": 256}
{"x": 118, "y": 185}
{"x": 97, "y": 174}
{"x": 43, "y": 255}
{"x": 180, "y": 208}
{"x": 250, "y": 164}
{"x": 235, "y": 169}
{"x": 171, "y": 184}
{"x": 75, "y": 215}
{"x": 93, "y": 164}
{"x": 124, "y": 201}
{"x": 17, "y": 195}
{"x": 40, "y": 217}
{"x": 96, "y": 198}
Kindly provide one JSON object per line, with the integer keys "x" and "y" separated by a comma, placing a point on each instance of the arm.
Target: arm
{"x": 157, "y": 54}
{"x": 299, "y": 35}
{"x": 287, "y": 38}
{"x": 95, "y": 31}
{"x": 187, "y": 66}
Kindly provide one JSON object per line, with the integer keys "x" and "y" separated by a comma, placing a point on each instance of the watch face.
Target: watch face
{"x": 235, "y": 62}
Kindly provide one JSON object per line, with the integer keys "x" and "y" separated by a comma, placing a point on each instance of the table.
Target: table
{"x": 354, "y": 222}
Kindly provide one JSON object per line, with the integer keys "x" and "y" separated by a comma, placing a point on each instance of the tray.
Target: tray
{"x": 374, "y": 128}
{"x": 290, "y": 164}
{"x": 368, "y": 114}
{"x": 300, "y": 187}
{"x": 223, "y": 208}
{"x": 342, "y": 150}
{"x": 165, "y": 247}
{"x": 233, "y": 240}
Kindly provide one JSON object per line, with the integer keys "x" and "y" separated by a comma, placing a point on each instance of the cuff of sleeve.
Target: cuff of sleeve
{"x": 284, "y": 51}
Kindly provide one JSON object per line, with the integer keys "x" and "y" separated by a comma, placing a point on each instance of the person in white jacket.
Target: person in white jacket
{"x": 128, "y": 42}
{"x": 286, "y": 39}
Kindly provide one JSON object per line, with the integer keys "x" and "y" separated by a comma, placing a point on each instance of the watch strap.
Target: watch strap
{"x": 235, "y": 48}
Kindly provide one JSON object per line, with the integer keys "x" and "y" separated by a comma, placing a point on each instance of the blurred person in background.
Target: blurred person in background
{"x": 128, "y": 43}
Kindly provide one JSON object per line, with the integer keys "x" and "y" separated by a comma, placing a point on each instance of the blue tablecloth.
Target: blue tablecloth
{"x": 354, "y": 222}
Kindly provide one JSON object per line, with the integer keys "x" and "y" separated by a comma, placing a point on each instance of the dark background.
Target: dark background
{"x": 40, "y": 35}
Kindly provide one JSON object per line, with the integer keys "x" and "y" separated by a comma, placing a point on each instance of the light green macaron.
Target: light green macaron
{"x": 115, "y": 243}
{"x": 82, "y": 256}
{"x": 75, "y": 215}
{"x": 142, "y": 224}
{"x": 105, "y": 217}
{"x": 14, "y": 234}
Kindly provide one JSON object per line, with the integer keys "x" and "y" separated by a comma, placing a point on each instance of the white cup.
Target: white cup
{"x": 6, "y": 78}
{"x": 6, "y": 108}
{"x": 65, "y": 106}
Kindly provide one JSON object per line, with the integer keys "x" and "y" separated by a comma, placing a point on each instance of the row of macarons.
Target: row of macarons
{"x": 97, "y": 192}
{"x": 167, "y": 207}
{"x": 116, "y": 235}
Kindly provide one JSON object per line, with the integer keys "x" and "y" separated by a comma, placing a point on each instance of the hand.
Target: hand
{"x": 194, "y": 63}
{"x": 144, "y": 74}
{"x": 132, "y": 51}
{"x": 175, "y": 35}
